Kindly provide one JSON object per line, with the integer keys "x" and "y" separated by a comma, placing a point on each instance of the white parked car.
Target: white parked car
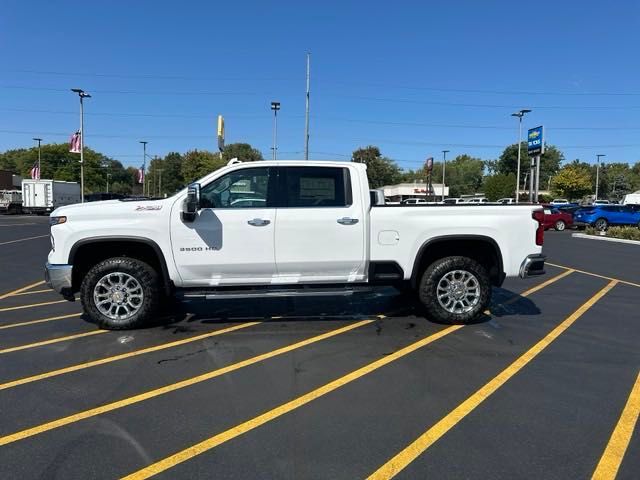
{"x": 560, "y": 201}
{"x": 415, "y": 201}
{"x": 506, "y": 201}
{"x": 477, "y": 200}
{"x": 601, "y": 202}
{"x": 285, "y": 228}
{"x": 453, "y": 201}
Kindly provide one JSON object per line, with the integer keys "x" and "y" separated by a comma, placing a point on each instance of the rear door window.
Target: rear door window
{"x": 306, "y": 187}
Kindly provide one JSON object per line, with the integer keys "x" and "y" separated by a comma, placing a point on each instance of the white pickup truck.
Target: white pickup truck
{"x": 284, "y": 228}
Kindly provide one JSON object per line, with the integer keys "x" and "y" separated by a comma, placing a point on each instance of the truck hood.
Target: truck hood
{"x": 109, "y": 208}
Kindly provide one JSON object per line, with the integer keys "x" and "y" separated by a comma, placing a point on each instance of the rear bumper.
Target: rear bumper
{"x": 532, "y": 265}
{"x": 59, "y": 278}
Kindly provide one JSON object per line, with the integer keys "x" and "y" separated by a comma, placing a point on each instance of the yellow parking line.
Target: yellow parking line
{"x": 115, "y": 358}
{"x": 41, "y": 320}
{"x": 44, "y": 290}
{"x": 45, "y": 427}
{"x": 270, "y": 415}
{"x": 54, "y": 340}
{"x": 23, "y": 239}
{"x": 397, "y": 463}
{"x": 609, "y": 464}
{"x": 6, "y": 309}
{"x": 542, "y": 285}
{"x": 21, "y": 289}
{"x": 595, "y": 275}
{"x": 535, "y": 289}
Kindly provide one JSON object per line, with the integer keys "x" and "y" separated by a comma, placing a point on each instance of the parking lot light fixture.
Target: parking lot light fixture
{"x": 275, "y": 106}
{"x": 519, "y": 114}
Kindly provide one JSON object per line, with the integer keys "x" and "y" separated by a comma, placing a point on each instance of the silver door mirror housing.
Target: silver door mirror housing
{"x": 191, "y": 203}
{"x": 377, "y": 197}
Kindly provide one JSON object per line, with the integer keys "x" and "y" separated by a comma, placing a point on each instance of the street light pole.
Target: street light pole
{"x": 108, "y": 175}
{"x": 159, "y": 170}
{"x": 598, "y": 156}
{"x": 306, "y": 115}
{"x": 519, "y": 114}
{"x": 444, "y": 165}
{"x": 82, "y": 94}
{"x": 144, "y": 164}
{"x": 275, "y": 106}
{"x": 39, "y": 170}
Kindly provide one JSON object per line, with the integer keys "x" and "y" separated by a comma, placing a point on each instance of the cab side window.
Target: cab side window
{"x": 317, "y": 187}
{"x": 245, "y": 188}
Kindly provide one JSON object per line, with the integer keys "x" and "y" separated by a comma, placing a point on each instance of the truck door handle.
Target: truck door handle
{"x": 347, "y": 221}
{"x": 259, "y": 222}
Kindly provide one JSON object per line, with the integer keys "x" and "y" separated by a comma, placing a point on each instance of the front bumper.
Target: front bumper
{"x": 532, "y": 265}
{"x": 59, "y": 278}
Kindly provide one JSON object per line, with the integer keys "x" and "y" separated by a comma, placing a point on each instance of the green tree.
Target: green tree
{"x": 172, "y": 179}
{"x": 549, "y": 162}
{"x": 380, "y": 170}
{"x": 573, "y": 181}
{"x": 198, "y": 163}
{"x": 241, "y": 151}
{"x": 499, "y": 186}
{"x": 59, "y": 164}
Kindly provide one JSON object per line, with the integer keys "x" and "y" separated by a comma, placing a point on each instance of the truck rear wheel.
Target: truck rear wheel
{"x": 120, "y": 293}
{"x": 455, "y": 290}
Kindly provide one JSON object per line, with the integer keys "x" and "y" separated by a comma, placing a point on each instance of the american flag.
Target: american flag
{"x": 35, "y": 172}
{"x": 74, "y": 143}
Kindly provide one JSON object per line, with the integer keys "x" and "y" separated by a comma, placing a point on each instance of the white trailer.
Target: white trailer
{"x": 631, "y": 198}
{"x": 44, "y": 196}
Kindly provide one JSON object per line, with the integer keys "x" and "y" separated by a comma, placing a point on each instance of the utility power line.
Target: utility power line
{"x": 354, "y": 97}
{"x": 315, "y": 117}
{"x": 324, "y": 81}
{"x": 362, "y": 140}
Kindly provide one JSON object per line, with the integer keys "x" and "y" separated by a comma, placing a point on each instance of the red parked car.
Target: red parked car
{"x": 554, "y": 218}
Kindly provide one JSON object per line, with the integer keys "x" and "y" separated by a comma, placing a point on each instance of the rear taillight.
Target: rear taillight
{"x": 538, "y": 216}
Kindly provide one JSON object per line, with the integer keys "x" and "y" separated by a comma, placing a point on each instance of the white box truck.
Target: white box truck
{"x": 10, "y": 201}
{"x": 44, "y": 196}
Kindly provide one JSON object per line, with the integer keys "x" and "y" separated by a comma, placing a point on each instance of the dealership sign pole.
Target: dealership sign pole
{"x": 535, "y": 148}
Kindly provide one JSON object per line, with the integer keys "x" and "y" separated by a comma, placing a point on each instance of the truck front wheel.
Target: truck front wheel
{"x": 455, "y": 290}
{"x": 120, "y": 293}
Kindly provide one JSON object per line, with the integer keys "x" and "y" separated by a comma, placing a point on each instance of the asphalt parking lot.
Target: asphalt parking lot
{"x": 546, "y": 386}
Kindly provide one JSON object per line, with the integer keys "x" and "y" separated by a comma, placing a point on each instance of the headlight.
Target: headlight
{"x": 57, "y": 220}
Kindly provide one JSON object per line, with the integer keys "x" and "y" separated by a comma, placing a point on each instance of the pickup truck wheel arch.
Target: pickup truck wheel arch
{"x": 461, "y": 245}
{"x": 120, "y": 242}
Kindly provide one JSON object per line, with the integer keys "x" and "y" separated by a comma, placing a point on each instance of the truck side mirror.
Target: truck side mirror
{"x": 191, "y": 203}
{"x": 376, "y": 197}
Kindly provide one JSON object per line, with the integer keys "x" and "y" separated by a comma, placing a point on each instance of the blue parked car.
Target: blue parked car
{"x": 601, "y": 216}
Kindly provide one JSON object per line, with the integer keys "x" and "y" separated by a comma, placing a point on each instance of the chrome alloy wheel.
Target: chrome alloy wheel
{"x": 118, "y": 295}
{"x": 458, "y": 291}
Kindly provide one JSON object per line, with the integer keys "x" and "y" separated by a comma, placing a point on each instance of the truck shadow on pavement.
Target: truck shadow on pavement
{"x": 385, "y": 303}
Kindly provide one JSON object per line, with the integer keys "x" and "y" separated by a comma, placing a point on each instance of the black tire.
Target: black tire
{"x": 144, "y": 274}
{"x": 427, "y": 291}
{"x": 560, "y": 225}
{"x": 601, "y": 224}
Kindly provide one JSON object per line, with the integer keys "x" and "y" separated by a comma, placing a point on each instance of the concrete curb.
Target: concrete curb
{"x": 606, "y": 239}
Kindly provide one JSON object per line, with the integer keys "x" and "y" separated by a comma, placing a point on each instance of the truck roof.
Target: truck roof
{"x": 304, "y": 163}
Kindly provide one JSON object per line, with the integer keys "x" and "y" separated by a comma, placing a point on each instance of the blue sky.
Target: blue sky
{"x": 411, "y": 77}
